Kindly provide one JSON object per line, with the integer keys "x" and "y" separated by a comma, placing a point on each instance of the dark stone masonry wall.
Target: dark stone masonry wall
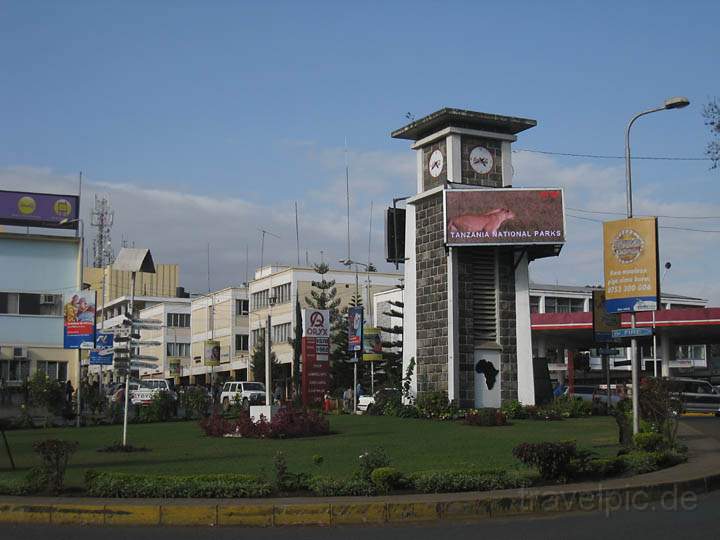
{"x": 469, "y": 176}
{"x": 506, "y": 325}
{"x": 432, "y": 304}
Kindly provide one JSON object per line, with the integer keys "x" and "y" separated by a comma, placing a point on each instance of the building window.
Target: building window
{"x": 241, "y": 342}
{"x": 534, "y": 304}
{"x": 258, "y": 336}
{"x": 57, "y": 371}
{"x": 281, "y": 293}
{"x": 242, "y": 307}
{"x": 30, "y": 304}
{"x": 14, "y": 370}
{"x": 260, "y": 299}
{"x": 178, "y": 349}
{"x": 178, "y": 320}
{"x": 281, "y": 333}
{"x": 555, "y": 304}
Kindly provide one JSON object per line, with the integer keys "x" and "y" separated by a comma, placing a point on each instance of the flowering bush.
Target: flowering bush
{"x": 286, "y": 423}
{"x": 485, "y": 417}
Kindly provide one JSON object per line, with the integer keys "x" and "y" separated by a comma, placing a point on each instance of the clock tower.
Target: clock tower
{"x": 467, "y": 308}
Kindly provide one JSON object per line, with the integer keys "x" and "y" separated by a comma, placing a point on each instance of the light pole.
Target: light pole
{"x": 67, "y": 221}
{"x": 671, "y": 103}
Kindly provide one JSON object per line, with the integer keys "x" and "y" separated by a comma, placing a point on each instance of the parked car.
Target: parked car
{"x": 247, "y": 393}
{"x": 616, "y": 394}
{"x": 148, "y": 389}
{"x": 584, "y": 392}
{"x": 695, "y": 395}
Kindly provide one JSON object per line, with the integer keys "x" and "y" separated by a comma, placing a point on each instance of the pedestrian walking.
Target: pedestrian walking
{"x": 69, "y": 390}
{"x": 347, "y": 399}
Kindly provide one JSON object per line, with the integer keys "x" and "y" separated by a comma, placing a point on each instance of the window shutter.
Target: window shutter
{"x": 484, "y": 291}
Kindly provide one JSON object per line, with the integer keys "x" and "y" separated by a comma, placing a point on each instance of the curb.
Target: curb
{"x": 468, "y": 507}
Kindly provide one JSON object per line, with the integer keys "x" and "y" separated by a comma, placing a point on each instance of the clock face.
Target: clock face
{"x": 435, "y": 166}
{"x": 481, "y": 160}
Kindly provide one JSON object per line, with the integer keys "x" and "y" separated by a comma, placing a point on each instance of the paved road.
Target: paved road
{"x": 708, "y": 425}
{"x": 698, "y": 521}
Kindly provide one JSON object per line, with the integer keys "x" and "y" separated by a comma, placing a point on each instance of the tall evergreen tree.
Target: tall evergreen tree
{"x": 297, "y": 348}
{"x": 393, "y": 346}
{"x": 257, "y": 364}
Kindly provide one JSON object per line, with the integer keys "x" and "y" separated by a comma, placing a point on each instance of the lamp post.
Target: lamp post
{"x": 671, "y": 103}
{"x": 67, "y": 221}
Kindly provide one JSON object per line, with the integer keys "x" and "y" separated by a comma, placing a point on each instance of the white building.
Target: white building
{"x": 287, "y": 284}
{"x": 220, "y": 316}
{"x": 173, "y": 336}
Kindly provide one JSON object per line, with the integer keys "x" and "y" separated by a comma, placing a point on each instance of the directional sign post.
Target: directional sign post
{"x": 631, "y": 332}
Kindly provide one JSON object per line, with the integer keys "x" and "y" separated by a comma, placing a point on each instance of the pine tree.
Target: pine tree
{"x": 341, "y": 369}
{"x": 297, "y": 348}
{"x": 393, "y": 346}
{"x": 257, "y": 363}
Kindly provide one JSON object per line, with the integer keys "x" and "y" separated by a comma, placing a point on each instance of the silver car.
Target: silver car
{"x": 696, "y": 395}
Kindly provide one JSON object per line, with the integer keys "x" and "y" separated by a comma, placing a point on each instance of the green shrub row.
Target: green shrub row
{"x": 121, "y": 485}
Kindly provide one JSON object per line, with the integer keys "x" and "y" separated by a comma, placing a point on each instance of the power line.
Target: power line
{"x": 601, "y": 156}
{"x": 623, "y": 214}
{"x": 659, "y": 226}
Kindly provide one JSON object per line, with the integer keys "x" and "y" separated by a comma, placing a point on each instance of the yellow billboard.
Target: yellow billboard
{"x": 211, "y": 352}
{"x": 372, "y": 344}
{"x": 631, "y": 265}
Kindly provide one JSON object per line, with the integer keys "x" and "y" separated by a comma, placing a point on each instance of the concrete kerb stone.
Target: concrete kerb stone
{"x": 700, "y": 475}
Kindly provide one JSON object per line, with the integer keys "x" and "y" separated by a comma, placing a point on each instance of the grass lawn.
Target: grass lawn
{"x": 413, "y": 445}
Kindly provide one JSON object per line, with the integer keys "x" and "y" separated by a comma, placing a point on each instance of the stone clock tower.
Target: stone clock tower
{"x": 467, "y": 321}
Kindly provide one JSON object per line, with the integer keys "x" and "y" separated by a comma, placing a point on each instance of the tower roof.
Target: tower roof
{"x": 460, "y": 118}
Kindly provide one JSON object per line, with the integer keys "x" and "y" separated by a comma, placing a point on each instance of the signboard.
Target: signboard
{"x": 372, "y": 345}
{"x": 103, "y": 342}
{"x": 38, "y": 209}
{"x": 632, "y": 332}
{"x": 315, "y": 355}
{"x": 631, "y": 265}
{"x": 603, "y": 322}
{"x": 497, "y": 217}
{"x": 355, "y": 329}
{"x": 79, "y": 320}
{"x": 211, "y": 352}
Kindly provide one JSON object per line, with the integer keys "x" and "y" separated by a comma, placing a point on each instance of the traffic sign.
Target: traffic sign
{"x": 631, "y": 332}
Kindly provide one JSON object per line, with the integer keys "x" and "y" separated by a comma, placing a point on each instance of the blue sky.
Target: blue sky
{"x": 228, "y": 112}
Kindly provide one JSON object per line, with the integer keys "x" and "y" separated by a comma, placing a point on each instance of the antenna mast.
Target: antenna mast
{"x": 102, "y": 218}
{"x": 262, "y": 244}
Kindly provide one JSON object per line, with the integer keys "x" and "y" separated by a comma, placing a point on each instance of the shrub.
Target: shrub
{"x": 34, "y": 482}
{"x": 554, "y": 460}
{"x": 162, "y": 408}
{"x": 639, "y": 462}
{"x": 323, "y": 486}
{"x": 286, "y": 423}
{"x": 108, "y": 484}
{"x": 514, "y": 410}
{"x": 599, "y": 468}
{"x": 370, "y": 460}
{"x": 436, "y": 405}
{"x": 622, "y": 413}
{"x": 485, "y": 417}
{"x": 569, "y": 407}
{"x": 449, "y": 482}
{"x": 194, "y": 401}
{"x": 385, "y": 479}
{"x": 54, "y": 454}
{"x": 47, "y": 393}
{"x": 659, "y": 408}
{"x": 216, "y": 425}
{"x": 649, "y": 442}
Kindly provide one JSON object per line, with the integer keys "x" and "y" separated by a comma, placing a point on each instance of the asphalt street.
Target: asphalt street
{"x": 675, "y": 517}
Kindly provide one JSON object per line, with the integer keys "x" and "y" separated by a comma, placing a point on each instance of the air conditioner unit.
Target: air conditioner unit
{"x": 47, "y": 299}
{"x": 20, "y": 353}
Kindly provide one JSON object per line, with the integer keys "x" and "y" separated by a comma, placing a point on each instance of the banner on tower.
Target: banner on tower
{"x": 498, "y": 217}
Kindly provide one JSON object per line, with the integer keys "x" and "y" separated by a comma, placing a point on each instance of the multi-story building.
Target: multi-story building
{"x": 36, "y": 271}
{"x": 220, "y": 316}
{"x": 173, "y": 336}
{"x": 111, "y": 284}
{"x": 276, "y": 289}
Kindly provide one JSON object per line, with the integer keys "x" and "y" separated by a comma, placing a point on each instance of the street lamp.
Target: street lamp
{"x": 68, "y": 221}
{"x": 671, "y": 103}
{"x": 665, "y": 371}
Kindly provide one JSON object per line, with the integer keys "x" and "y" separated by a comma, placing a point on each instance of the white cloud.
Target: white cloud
{"x": 177, "y": 226}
